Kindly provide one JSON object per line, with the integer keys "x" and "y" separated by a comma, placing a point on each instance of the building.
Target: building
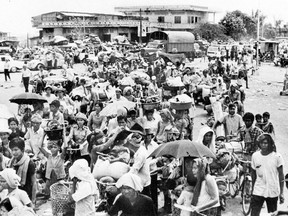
{"x": 171, "y": 17}
{"x": 77, "y": 24}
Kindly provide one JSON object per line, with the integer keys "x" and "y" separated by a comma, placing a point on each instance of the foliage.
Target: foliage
{"x": 210, "y": 32}
{"x": 238, "y": 24}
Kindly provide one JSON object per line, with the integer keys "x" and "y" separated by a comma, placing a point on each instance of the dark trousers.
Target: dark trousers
{"x": 26, "y": 83}
{"x": 7, "y": 74}
{"x": 153, "y": 190}
{"x": 257, "y": 203}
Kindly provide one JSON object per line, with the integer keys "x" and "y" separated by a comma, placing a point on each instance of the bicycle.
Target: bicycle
{"x": 244, "y": 185}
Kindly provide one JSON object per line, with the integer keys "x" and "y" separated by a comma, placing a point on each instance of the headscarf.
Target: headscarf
{"x": 130, "y": 180}
{"x": 201, "y": 135}
{"x": 126, "y": 89}
{"x": 11, "y": 177}
{"x": 81, "y": 170}
{"x": 167, "y": 114}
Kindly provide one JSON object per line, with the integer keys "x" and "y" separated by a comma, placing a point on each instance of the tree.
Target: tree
{"x": 210, "y": 31}
{"x": 238, "y": 24}
{"x": 278, "y": 26}
{"x": 269, "y": 31}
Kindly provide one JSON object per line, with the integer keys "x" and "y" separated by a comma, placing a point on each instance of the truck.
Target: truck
{"x": 172, "y": 42}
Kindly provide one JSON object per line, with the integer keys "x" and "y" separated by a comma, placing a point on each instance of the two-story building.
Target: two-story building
{"x": 70, "y": 24}
{"x": 171, "y": 17}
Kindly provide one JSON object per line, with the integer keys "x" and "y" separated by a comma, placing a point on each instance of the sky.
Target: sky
{"x": 15, "y": 15}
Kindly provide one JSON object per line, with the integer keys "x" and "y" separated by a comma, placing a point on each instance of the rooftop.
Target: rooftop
{"x": 164, "y": 7}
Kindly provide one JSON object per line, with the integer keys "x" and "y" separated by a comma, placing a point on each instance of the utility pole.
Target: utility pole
{"x": 84, "y": 26}
{"x": 257, "y": 45}
{"x": 140, "y": 38}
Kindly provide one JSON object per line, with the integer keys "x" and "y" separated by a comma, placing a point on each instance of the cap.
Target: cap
{"x": 153, "y": 78}
{"x": 55, "y": 103}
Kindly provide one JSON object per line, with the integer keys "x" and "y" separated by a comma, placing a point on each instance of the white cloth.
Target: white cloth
{"x": 141, "y": 166}
{"x": 201, "y": 135}
{"x": 10, "y": 176}
{"x": 130, "y": 180}
{"x": 20, "y": 195}
{"x": 205, "y": 192}
{"x": 267, "y": 180}
{"x": 186, "y": 200}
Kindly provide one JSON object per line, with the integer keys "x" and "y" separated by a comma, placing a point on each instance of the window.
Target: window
{"x": 196, "y": 19}
{"x": 190, "y": 19}
{"x": 177, "y": 19}
{"x": 161, "y": 19}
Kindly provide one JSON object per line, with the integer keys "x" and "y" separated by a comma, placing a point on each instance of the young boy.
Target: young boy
{"x": 14, "y": 127}
{"x": 55, "y": 114}
{"x": 25, "y": 168}
{"x": 259, "y": 123}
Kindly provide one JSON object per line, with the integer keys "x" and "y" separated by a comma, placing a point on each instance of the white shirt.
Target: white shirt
{"x": 34, "y": 140}
{"x": 84, "y": 200}
{"x": 26, "y": 73}
{"x": 267, "y": 180}
{"x": 6, "y": 65}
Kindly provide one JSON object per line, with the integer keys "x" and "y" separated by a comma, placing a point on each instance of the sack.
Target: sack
{"x": 235, "y": 147}
{"x": 104, "y": 168}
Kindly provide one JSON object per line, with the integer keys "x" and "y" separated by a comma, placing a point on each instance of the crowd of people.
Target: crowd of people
{"x": 117, "y": 112}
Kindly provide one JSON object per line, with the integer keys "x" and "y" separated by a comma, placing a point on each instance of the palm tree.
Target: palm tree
{"x": 278, "y": 26}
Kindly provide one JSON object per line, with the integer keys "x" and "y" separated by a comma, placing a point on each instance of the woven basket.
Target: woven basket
{"x": 60, "y": 199}
{"x": 180, "y": 106}
{"x": 150, "y": 106}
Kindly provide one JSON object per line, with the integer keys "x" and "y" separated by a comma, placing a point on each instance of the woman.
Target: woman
{"x": 78, "y": 136}
{"x": 131, "y": 202}
{"x": 127, "y": 93}
{"x": 182, "y": 124}
{"x": 150, "y": 121}
{"x": 267, "y": 176}
{"x": 206, "y": 195}
{"x": 12, "y": 207}
{"x": 207, "y": 138}
{"x": 65, "y": 101}
{"x": 164, "y": 126}
{"x": 95, "y": 121}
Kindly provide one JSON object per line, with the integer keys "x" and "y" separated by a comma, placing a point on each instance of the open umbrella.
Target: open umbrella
{"x": 111, "y": 108}
{"x": 183, "y": 148}
{"x": 27, "y": 98}
{"x": 139, "y": 74}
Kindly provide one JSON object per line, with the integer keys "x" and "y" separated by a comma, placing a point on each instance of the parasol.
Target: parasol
{"x": 127, "y": 81}
{"x": 27, "y": 98}
{"x": 111, "y": 108}
{"x": 183, "y": 148}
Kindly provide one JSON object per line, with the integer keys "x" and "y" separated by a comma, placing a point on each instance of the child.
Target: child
{"x": 14, "y": 127}
{"x": 259, "y": 123}
{"x": 84, "y": 188}
{"x": 55, "y": 163}
{"x": 186, "y": 195}
{"x": 267, "y": 126}
{"x": 55, "y": 114}
{"x": 25, "y": 168}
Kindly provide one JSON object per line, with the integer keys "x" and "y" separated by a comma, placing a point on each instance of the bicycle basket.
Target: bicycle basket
{"x": 60, "y": 200}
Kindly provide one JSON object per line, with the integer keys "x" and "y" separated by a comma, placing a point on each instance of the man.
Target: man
{"x": 250, "y": 133}
{"x": 232, "y": 122}
{"x": 26, "y": 74}
{"x": 6, "y": 70}
{"x": 35, "y": 135}
{"x": 267, "y": 176}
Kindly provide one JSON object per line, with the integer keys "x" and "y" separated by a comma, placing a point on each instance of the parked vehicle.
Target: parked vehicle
{"x": 14, "y": 64}
{"x": 213, "y": 52}
{"x": 171, "y": 42}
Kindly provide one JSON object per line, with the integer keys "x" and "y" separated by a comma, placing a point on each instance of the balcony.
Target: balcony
{"x": 100, "y": 23}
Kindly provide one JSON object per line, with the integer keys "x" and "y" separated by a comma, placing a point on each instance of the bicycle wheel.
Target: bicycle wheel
{"x": 234, "y": 188}
{"x": 246, "y": 195}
